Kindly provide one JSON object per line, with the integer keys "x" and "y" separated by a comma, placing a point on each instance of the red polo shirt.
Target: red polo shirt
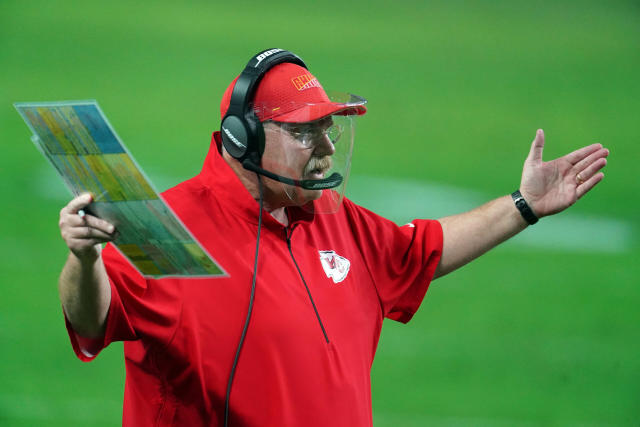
{"x": 296, "y": 368}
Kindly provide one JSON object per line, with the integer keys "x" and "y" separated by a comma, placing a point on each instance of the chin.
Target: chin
{"x": 314, "y": 194}
{"x": 304, "y": 196}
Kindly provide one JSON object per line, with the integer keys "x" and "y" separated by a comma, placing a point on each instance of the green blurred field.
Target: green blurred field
{"x": 544, "y": 334}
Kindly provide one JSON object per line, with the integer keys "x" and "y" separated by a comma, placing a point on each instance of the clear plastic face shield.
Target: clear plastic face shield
{"x": 311, "y": 144}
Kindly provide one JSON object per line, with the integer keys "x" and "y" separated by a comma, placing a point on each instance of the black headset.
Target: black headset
{"x": 241, "y": 130}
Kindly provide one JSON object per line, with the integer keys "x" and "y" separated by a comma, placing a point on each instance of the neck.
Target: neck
{"x": 250, "y": 182}
{"x": 280, "y": 215}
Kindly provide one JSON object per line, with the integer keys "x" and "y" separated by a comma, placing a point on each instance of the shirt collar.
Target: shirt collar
{"x": 221, "y": 180}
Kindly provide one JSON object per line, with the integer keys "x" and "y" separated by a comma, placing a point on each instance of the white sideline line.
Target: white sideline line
{"x": 404, "y": 200}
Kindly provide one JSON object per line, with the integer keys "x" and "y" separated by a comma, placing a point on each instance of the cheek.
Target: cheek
{"x": 286, "y": 162}
{"x": 272, "y": 157}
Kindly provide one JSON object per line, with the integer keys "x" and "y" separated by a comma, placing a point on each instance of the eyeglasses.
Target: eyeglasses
{"x": 310, "y": 134}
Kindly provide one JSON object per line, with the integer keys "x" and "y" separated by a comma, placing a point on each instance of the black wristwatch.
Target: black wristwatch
{"x": 524, "y": 208}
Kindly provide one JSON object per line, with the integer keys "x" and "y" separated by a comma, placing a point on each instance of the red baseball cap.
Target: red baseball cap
{"x": 290, "y": 93}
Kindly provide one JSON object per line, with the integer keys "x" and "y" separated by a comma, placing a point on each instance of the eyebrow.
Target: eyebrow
{"x": 323, "y": 124}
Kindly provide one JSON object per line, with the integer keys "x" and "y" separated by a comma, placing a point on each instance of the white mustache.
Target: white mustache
{"x": 320, "y": 163}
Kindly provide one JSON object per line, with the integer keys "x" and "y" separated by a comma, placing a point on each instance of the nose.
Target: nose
{"x": 324, "y": 146}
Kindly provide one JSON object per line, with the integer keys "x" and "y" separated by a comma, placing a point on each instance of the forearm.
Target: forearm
{"x": 470, "y": 234}
{"x": 85, "y": 295}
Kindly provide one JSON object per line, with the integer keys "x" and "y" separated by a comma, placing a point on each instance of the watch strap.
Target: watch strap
{"x": 524, "y": 208}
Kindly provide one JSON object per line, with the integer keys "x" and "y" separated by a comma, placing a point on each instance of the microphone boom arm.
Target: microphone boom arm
{"x": 309, "y": 184}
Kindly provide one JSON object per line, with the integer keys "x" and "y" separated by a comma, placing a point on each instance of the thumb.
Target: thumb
{"x": 79, "y": 202}
{"x": 537, "y": 145}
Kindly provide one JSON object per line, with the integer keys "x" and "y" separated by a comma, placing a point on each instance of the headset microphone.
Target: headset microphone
{"x": 309, "y": 184}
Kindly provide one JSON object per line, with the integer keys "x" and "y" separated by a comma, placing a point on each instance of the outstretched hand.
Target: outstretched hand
{"x": 551, "y": 187}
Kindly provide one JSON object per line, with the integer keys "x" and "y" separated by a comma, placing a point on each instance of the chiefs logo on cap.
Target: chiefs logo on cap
{"x": 305, "y": 81}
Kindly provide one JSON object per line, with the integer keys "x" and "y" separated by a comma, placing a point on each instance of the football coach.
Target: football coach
{"x": 288, "y": 336}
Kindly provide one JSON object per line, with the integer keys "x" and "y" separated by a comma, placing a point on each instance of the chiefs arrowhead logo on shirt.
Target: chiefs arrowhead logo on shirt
{"x": 335, "y": 266}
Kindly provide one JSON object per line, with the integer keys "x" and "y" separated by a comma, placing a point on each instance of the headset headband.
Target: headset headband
{"x": 241, "y": 130}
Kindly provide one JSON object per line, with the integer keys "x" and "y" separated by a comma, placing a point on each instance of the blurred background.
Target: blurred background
{"x": 544, "y": 330}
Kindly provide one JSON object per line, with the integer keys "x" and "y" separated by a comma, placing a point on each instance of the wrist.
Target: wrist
{"x": 524, "y": 208}
{"x": 87, "y": 257}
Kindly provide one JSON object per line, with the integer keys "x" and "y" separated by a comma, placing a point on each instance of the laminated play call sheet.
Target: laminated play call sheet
{"x": 83, "y": 147}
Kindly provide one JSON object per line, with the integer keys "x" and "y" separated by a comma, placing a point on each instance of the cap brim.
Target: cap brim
{"x": 313, "y": 112}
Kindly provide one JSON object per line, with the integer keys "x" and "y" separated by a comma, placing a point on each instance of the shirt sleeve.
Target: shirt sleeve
{"x": 401, "y": 259}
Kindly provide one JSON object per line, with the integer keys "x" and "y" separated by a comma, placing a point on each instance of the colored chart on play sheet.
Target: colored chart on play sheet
{"x": 83, "y": 147}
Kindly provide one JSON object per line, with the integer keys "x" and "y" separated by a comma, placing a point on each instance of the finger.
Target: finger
{"x": 88, "y": 233}
{"x": 576, "y": 156}
{"x": 590, "y": 159}
{"x": 535, "y": 154}
{"x": 77, "y": 203}
{"x": 589, "y": 171}
{"x": 98, "y": 224}
{"x": 586, "y": 186}
{"x": 82, "y": 244}
{"x": 68, "y": 219}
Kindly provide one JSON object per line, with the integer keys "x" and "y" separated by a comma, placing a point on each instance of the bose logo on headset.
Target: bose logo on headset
{"x": 266, "y": 54}
{"x": 233, "y": 138}
{"x": 327, "y": 183}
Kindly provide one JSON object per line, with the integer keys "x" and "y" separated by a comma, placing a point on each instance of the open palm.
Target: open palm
{"x": 550, "y": 187}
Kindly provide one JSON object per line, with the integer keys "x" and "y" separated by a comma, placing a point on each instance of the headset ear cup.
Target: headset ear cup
{"x": 236, "y": 136}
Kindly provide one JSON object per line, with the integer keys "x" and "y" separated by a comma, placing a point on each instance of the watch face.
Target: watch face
{"x": 520, "y": 203}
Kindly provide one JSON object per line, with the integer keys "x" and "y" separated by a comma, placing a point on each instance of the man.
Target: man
{"x": 288, "y": 340}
